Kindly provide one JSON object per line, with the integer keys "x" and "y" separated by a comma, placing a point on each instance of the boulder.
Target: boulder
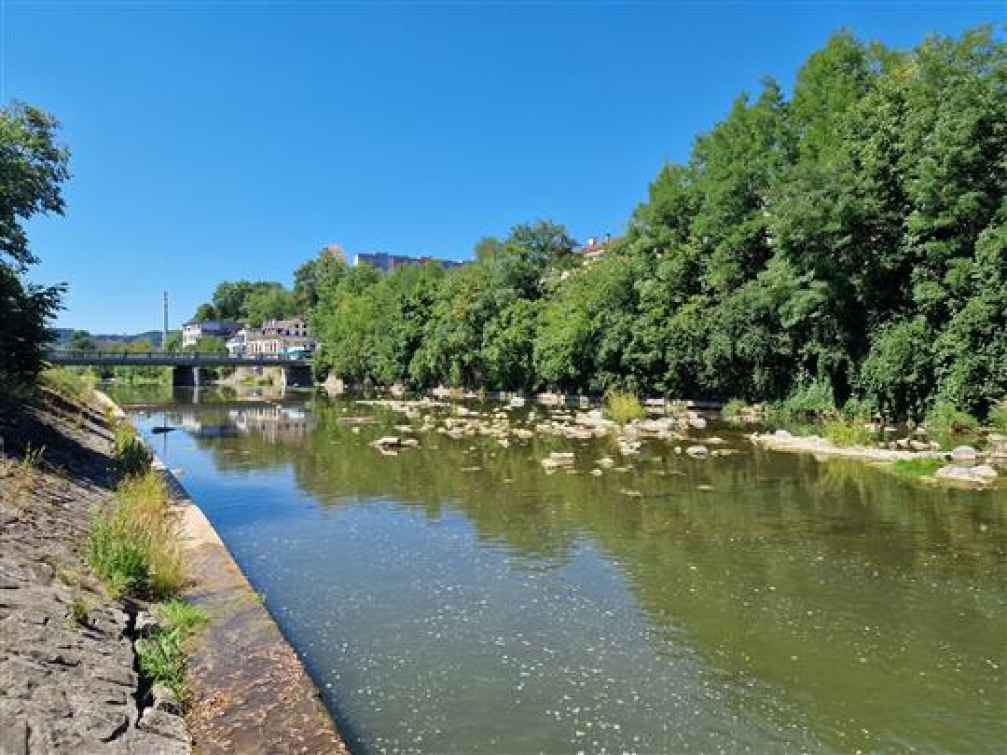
{"x": 982, "y": 474}
{"x": 963, "y": 453}
{"x": 782, "y": 435}
{"x": 697, "y": 452}
{"x": 389, "y": 441}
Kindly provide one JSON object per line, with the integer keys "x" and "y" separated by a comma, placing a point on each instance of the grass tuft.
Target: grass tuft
{"x": 847, "y": 433}
{"x": 913, "y": 469}
{"x": 131, "y": 455}
{"x": 182, "y": 616}
{"x": 162, "y": 661}
{"x": 76, "y": 613}
{"x": 132, "y": 546}
{"x": 623, "y": 407}
{"x": 998, "y": 415}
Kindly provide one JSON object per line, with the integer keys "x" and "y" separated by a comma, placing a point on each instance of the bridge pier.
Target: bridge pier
{"x": 186, "y": 376}
{"x": 298, "y": 376}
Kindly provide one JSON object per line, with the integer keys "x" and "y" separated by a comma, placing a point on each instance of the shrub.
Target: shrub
{"x": 733, "y": 408}
{"x": 847, "y": 433}
{"x": 132, "y": 547}
{"x": 623, "y": 407}
{"x": 915, "y": 468}
{"x": 998, "y": 415}
{"x": 131, "y": 455}
{"x": 946, "y": 418}
{"x": 814, "y": 399}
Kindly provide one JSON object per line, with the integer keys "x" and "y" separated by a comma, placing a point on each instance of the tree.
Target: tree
{"x": 81, "y": 340}
{"x": 33, "y": 168}
{"x": 315, "y": 276}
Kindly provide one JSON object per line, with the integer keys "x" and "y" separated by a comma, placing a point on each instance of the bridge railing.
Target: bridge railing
{"x": 58, "y": 355}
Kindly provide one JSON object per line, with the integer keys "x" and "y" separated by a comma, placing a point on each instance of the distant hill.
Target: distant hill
{"x": 152, "y": 336}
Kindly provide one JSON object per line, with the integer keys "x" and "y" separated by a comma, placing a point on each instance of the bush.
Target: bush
{"x": 847, "y": 433}
{"x": 811, "y": 400}
{"x": 913, "y": 469}
{"x": 623, "y": 407}
{"x": 733, "y": 408}
{"x": 998, "y": 415}
{"x": 131, "y": 455}
{"x": 945, "y": 418}
{"x": 133, "y": 547}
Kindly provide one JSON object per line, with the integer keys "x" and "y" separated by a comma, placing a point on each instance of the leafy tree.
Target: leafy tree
{"x": 81, "y": 340}
{"x": 316, "y": 275}
{"x": 33, "y": 167}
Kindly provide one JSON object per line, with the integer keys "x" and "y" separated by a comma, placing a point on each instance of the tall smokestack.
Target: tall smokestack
{"x": 164, "y": 333}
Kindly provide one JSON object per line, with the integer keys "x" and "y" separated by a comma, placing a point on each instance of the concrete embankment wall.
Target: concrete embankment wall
{"x": 250, "y": 692}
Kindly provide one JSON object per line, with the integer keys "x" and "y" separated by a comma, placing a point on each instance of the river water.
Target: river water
{"x": 457, "y": 598}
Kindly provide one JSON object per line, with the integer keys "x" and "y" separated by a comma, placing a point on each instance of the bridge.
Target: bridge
{"x": 188, "y": 367}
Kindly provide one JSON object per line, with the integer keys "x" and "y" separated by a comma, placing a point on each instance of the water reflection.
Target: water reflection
{"x": 456, "y": 598}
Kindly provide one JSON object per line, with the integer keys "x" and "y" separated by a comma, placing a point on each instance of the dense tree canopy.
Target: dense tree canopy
{"x": 850, "y": 240}
{"x": 33, "y": 167}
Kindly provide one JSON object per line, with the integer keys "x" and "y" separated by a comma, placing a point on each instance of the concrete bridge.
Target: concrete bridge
{"x": 188, "y": 368}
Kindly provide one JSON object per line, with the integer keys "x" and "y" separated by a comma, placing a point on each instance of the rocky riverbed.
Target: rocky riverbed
{"x": 67, "y": 662}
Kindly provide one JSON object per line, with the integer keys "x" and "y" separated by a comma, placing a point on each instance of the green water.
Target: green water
{"x": 456, "y": 598}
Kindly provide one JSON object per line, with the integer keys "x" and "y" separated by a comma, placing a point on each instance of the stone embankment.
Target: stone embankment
{"x": 67, "y": 664}
{"x": 68, "y": 679}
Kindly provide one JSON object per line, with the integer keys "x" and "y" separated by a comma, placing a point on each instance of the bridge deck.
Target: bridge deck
{"x": 168, "y": 359}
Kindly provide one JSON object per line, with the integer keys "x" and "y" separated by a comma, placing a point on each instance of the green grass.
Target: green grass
{"x": 133, "y": 545}
{"x": 623, "y": 407}
{"x": 182, "y": 616}
{"x": 74, "y": 386}
{"x": 131, "y": 455}
{"x": 76, "y": 613}
{"x": 913, "y": 469}
{"x": 847, "y": 433}
{"x": 162, "y": 661}
{"x": 811, "y": 400}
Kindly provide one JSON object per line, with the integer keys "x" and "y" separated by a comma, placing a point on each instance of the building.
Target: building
{"x": 385, "y": 262}
{"x": 290, "y": 337}
{"x": 193, "y": 331}
{"x": 595, "y": 247}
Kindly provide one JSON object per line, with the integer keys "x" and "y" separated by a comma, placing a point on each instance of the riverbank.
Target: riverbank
{"x": 67, "y": 658}
{"x": 68, "y": 661}
{"x": 249, "y": 691}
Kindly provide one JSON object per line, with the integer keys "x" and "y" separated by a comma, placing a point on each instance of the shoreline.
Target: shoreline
{"x": 250, "y": 692}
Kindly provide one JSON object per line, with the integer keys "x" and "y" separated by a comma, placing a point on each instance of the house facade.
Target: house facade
{"x": 290, "y": 337}
{"x": 193, "y": 331}
{"x": 386, "y": 262}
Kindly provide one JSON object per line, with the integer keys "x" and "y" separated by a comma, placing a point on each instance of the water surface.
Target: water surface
{"x": 456, "y": 598}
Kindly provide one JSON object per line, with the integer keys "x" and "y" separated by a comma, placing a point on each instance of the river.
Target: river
{"x": 457, "y": 598}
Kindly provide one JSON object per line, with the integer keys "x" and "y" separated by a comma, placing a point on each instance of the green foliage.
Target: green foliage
{"x": 913, "y": 469}
{"x": 623, "y": 407}
{"x": 131, "y": 455}
{"x": 847, "y": 247}
{"x": 811, "y": 400}
{"x": 74, "y": 386}
{"x": 33, "y": 167}
{"x": 998, "y": 415}
{"x": 733, "y": 408}
{"x": 246, "y": 300}
{"x": 184, "y": 617}
{"x": 946, "y": 419}
{"x": 76, "y": 613}
{"x": 162, "y": 661}
{"x": 847, "y": 433}
{"x": 81, "y": 340}
{"x": 132, "y": 546}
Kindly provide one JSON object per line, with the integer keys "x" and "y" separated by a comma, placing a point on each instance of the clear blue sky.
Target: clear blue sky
{"x": 228, "y": 140}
